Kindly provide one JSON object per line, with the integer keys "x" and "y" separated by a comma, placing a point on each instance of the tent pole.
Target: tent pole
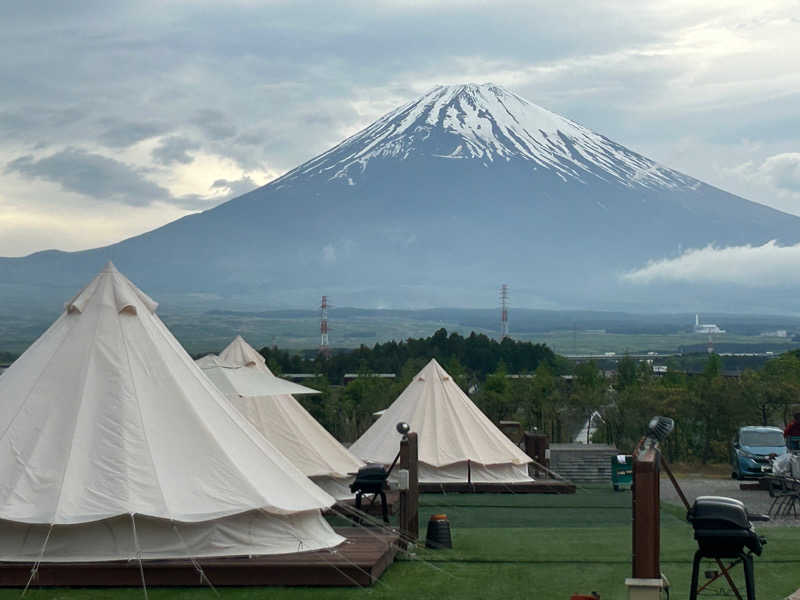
{"x": 35, "y": 567}
{"x": 138, "y": 555}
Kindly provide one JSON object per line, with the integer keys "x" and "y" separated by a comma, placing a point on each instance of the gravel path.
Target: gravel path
{"x": 756, "y": 501}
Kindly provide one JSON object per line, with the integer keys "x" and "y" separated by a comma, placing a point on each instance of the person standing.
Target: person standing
{"x": 793, "y": 428}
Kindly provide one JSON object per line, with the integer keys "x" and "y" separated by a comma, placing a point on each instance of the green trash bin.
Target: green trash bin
{"x": 621, "y": 471}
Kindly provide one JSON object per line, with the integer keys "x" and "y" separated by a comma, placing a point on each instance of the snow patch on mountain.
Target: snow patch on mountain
{"x": 490, "y": 124}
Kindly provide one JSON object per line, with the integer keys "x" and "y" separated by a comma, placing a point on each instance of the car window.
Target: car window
{"x": 761, "y": 438}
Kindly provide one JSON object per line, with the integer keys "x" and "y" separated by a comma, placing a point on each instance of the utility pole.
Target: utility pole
{"x": 503, "y": 312}
{"x": 324, "y": 349}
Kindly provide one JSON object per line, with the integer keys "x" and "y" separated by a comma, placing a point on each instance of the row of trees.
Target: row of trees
{"x": 519, "y": 381}
{"x": 478, "y": 353}
{"x": 348, "y": 411}
{"x": 707, "y": 408}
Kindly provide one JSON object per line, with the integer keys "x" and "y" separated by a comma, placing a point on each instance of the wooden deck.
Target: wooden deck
{"x": 539, "y": 486}
{"x": 359, "y": 561}
{"x": 373, "y": 509}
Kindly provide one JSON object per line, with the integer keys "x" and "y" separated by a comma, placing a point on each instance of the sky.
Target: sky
{"x": 118, "y": 117}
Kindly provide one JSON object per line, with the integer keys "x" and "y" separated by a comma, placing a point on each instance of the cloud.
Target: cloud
{"x": 31, "y": 121}
{"x": 339, "y": 251}
{"x": 235, "y": 188}
{"x": 769, "y": 265}
{"x": 121, "y": 134}
{"x": 173, "y": 150}
{"x": 781, "y": 171}
{"x": 92, "y": 175}
{"x": 776, "y": 179}
{"x": 282, "y": 82}
{"x": 111, "y": 181}
{"x": 195, "y": 202}
{"x": 214, "y": 123}
{"x": 329, "y": 254}
{"x": 27, "y": 227}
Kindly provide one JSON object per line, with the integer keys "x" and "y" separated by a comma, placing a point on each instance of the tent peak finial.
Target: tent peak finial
{"x": 112, "y": 287}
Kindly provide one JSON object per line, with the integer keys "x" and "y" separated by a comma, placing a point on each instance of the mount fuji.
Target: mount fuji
{"x": 436, "y": 204}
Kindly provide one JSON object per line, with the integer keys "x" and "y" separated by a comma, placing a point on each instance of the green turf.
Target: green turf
{"x": 519, "y": 546}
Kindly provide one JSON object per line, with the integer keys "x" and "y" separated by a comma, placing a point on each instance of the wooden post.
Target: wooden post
{"x": 409, "y": 499}
{"x": 646, "y": 517}
{"x": 536, "y": 445}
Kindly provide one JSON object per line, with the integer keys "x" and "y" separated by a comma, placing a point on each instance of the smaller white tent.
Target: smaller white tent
{"x": 242, "y": 375}
{"x": 457, "y": 442}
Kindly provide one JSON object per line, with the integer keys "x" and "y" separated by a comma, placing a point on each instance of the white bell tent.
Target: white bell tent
{"x": 242, "y": 375}
{"x": 114, "y": 445}
{"x": 457, "y": 442}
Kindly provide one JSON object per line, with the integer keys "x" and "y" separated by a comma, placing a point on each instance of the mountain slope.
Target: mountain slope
{"x": 435, "y": 204}
{"x": 490, "y": 124}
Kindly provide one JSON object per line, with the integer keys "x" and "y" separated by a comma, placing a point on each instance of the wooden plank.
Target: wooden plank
{"x": 359, "y": 561}
{"x": 392, "y": 502}
{"x": 646, "y": 515}
{"x": 539, "y": 486}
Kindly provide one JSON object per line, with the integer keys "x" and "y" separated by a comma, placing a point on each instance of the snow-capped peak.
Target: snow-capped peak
{"x": 488, "y": 123}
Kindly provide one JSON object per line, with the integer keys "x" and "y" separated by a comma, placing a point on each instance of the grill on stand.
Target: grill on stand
{"x": 372, "y": 479}
{"x": 723, "y": 530}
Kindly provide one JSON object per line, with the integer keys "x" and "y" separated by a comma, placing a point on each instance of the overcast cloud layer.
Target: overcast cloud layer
{"x": 769, "y": 265}
{"x": 118, "y": 117}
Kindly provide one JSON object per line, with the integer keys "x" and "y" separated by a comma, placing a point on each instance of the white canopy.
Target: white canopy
{"x": 106, "y": 415}
{"x": 280, "y": 418}
{"x": 456, "y": 440}
{"x": 234, "y": 379}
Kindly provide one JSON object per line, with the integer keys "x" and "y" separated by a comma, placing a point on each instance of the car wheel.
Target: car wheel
{"x": 735, "y": 476}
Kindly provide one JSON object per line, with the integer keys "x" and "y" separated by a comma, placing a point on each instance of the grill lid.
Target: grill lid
{"x": 717, "y": 512}
{"x": 371, "y": 479}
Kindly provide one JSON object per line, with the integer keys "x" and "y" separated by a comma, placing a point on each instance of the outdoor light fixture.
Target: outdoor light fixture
{"x": 403, "y": 428}
{"x": 659, "y": 428}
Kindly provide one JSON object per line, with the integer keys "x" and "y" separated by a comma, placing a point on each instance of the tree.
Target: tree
{"x": 316, "y": 404}
{"x": 494, "y": 397}
{"x": 781, "y": 386}
{"x": 627, "y": 373}
{"x": 361, "y": 398}
{"x": 458, "y": 373}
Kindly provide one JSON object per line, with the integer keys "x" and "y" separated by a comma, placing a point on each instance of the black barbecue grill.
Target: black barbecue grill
{"x": 723, "y": 529}
{"x": 372, "y": 479}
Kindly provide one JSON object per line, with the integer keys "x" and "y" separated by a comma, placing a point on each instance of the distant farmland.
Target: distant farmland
{"x": 566, "y": 332}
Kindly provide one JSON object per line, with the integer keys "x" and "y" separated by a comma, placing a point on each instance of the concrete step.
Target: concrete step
{"x": 583, "y": 464}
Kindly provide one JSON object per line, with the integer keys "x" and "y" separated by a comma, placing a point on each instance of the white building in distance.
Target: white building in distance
{"x": 705, "y": 327}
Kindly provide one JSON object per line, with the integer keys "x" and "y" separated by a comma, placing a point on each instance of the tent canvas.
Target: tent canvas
{"x": 457, "y": 442}
{"x": 106, "y": 423}
{"x": 236, "y": 379}
{"x": 241, "y": 372}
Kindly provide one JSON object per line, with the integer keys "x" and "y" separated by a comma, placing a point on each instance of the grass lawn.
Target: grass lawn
{"x": 517, "y": 546}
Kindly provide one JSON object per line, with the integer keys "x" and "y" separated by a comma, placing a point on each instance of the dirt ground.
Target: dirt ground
{"x": 756, "y": 501}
